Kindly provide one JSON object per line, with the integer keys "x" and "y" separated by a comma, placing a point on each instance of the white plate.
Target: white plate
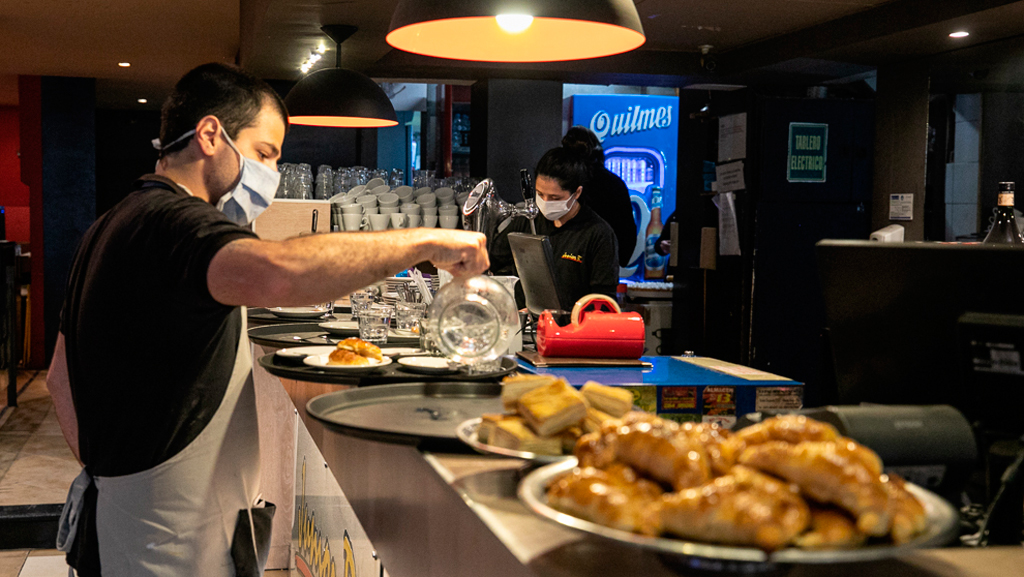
{"x": 320, "y": 361}
{"x": 466, "y": 431}
{"x": 345, "y": 328}
{"x": 437, "y": 363}
{"x": 404, "y": 333}
{"x": 401, "y": 351}
{"x": 298, "y": 312}
{"x": 300, "y": 352}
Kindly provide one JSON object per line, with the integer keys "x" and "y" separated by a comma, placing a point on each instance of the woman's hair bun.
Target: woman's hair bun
{"x": 582, "y": 139}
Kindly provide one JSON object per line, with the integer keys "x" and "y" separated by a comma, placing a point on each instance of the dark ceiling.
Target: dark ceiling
{"x": 751, "y": 42}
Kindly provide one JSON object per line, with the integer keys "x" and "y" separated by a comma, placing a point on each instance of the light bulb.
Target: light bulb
{"x": 514, "y": 23}
{"x": 322, "y": 48}
{"x": 960, "y": 34}
{"x": 124, "y": 64}
{"x": 142, "y": 101}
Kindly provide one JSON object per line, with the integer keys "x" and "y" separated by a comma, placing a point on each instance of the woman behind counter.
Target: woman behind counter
{"x": 584, "y": 245}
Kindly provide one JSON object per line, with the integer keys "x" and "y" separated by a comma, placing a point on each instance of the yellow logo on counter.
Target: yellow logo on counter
{"x": 573, "y": 257}
{"x": 314, "y": 558}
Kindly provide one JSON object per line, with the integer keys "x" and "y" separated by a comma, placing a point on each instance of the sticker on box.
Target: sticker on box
{"x": 678, "y": 398}
{"x": 645, "y": 398}
{"x": 779, "y": 398}
{"x": 726, "y": 422}
{"x": 719, "y": 401}
{"x": 681, "y": 417}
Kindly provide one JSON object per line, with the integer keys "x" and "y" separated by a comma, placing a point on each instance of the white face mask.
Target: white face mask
{"x": 255, "y": 190}
{"x": 554, "y": 209}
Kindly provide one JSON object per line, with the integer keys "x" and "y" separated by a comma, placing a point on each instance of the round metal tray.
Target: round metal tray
{"x": 295, "y": 334}
{"x": 466, "y": 431}
{"x": 263, "y": 316}
{"x": 381, "y": 375}
{"x": 406, "y": 413}
{"x": 942, "y": 527}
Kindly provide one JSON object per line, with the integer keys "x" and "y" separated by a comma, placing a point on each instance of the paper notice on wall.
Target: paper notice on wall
{"x": 728, "y": 229}
{"x": 901, "y": 207}
{"x": 732, "y": 137}
{"x": 730, "y": 176}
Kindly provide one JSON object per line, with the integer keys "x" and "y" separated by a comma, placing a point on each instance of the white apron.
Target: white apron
{"x": 178, "y": 518}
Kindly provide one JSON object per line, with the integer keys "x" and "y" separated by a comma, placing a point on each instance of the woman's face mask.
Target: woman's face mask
{"x": 553, "y": 209}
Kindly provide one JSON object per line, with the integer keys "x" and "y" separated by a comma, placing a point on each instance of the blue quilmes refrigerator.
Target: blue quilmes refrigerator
{"x": 639, "y": 135}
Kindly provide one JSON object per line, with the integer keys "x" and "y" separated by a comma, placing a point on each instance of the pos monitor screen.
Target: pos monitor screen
{"x": 928, "y": 323}
{"x": 534, "y": 257}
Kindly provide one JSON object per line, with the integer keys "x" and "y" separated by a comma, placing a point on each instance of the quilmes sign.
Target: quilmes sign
{"x": 634, "y": 119}
{"x": 808, "y": 152}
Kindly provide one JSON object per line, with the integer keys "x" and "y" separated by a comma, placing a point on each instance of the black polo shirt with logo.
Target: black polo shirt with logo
{"x": 585, "y": 251}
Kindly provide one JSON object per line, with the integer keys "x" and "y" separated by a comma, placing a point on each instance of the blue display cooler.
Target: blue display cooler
{"x": 639, "y": 135}
{"x": 691, "y": 389}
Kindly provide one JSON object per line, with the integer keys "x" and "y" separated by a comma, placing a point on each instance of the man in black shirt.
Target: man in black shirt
{"x": 583, "y": 244}
{"x": 164, "y": 422}
{"x": 607, "y": 194}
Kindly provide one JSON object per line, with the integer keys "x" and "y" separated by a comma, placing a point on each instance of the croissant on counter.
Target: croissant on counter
{"x": 787, "y": 481}
{"x": 362, "y": 348}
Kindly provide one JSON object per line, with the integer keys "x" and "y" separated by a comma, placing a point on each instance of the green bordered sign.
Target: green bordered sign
{"x": 808, "y": 152}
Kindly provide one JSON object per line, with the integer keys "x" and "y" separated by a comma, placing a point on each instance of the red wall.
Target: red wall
{"x": 14, "y": 196}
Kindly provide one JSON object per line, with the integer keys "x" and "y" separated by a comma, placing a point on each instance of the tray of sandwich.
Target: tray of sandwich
{"x": 543, "y": 417}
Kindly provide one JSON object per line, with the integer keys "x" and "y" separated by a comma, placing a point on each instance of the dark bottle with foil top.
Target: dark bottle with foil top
{"x": 1004, "y": 230}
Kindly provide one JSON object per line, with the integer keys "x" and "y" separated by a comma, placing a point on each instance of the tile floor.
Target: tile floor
{"x": 37, "y": 467}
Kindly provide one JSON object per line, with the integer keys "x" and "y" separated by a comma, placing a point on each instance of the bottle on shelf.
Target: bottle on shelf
{"x": 654, "y": 263}
{"x": 1004, "y": 230}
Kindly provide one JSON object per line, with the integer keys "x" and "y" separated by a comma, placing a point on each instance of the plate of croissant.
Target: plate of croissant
{"x": 350, "y": 354}
{"x": 787, "y": 490}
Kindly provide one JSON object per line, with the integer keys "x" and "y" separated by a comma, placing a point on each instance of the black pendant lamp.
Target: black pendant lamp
{"x": 516, "y": 30}
{"x": 339, "y": 97}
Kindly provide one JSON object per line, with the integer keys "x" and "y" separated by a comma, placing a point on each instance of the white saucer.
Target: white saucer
{"x": 298, "y": 312}
{"x": 428, "y": 365}
{"x": 300, "y": 352}
{"x": 344, "y": 328}
{"x": 320, "y": 361}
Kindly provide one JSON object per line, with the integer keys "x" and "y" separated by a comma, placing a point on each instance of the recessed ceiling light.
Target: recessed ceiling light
{"x": 143, "y": 101}
{"x": 959, "y": 34}
{"x": 124, "y": 64}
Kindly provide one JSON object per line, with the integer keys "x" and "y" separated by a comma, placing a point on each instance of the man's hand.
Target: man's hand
{"x": 460, "y": 252}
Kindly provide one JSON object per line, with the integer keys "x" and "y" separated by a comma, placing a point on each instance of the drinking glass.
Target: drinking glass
{"x": 408, "y": 316}
{"x": 374, "y": 322}
{"x": 360, "y": 300}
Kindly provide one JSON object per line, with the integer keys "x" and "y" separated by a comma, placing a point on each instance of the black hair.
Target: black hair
{"x": 567, "y": 166}
{"x": 231, "y": 94}
{"x": 584, "y": 139}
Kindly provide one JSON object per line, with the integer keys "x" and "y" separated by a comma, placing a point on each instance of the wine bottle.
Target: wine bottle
{"x": 654, "y": 263}
{"x": 1004, "y": 230}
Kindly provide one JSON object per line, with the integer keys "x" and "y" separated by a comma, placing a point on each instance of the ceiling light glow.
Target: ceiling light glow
{"x": 142, "y": 101}
{"x": 960, "y": 34}
{"x": 124, "y": 64}
{"x": 514, "y": 23}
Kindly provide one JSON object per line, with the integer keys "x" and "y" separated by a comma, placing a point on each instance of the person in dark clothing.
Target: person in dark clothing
{"x": 607, "y": 194}
{"x": 583, "y": 244}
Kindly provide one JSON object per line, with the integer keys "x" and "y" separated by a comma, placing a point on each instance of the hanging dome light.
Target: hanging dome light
{"x": 339, "y": 97}
{"x": 516, "y": 30}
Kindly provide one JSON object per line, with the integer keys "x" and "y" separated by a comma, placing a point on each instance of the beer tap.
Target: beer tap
{"x": 484, "y": 210}
{"x": 529, "y": 198}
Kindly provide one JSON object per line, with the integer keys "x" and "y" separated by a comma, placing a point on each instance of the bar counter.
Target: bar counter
{"x": 457, "y": 515}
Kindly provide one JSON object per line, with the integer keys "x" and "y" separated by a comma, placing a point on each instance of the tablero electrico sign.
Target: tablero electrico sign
{"x": 808, "y": 152}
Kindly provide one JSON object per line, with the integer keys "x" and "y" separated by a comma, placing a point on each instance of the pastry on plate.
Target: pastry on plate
{"x": 343, "y": 357}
